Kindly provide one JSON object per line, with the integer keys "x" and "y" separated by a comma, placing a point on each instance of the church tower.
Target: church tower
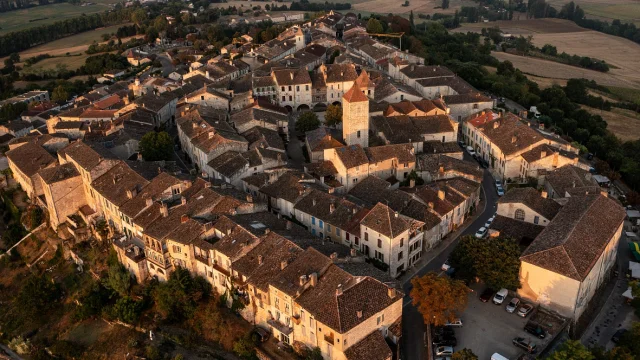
{"x": 355, "y": 117}
{"x": 299, "y": 39}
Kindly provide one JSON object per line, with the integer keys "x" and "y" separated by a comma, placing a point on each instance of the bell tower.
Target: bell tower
{"x": 355, "y": 117}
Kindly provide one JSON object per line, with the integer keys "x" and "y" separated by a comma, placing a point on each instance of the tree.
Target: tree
{"x": 156, "y": 146}
{"x": 333, "y": 116}
{"x": 59, "y": 94}
{"x": 139, "y": 16}
{"x": 374, "y": 26}
{"x": 177, "y": 298}
{"x": 439, "y": 299}
{"x": 445, "y": 4}
{"x": 128, "y": 310}
{"x": 245, "y": 347}
{"x": 37, "y": 294}
{"x": 307, "y": 121}
{"x": 572, "y": 350}
{"x": 464, "y": 354}
{"x": 118, "y": 279}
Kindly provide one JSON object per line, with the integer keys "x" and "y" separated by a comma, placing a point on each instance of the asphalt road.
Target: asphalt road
{"x": 412, "y": 343}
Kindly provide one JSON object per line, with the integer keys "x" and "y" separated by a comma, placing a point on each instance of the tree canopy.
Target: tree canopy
{"x": 333, "y": 115}
{"x": 464, "y": 354}
{"x": 439, "y": 299}
{"x": 374, "y": 26}
{"x": 156, "y": 146}
{"x": 307, "y": 121}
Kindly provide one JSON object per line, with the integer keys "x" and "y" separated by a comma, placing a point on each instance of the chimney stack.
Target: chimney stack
{"x": 391, "y": 292}
{"x": 303, "y": 279}
{"x": 313, "y": 279}
{"x": 441, "y": 194}
{"x": 332, "y": 208}
{"x": 259, "y": 259}
{"x": 333, "y": 256}
{"x": 149, "y": 202}
{"x": 249, "y": 198}
{"x": 339, "y": 290}
{"x": 183, "y": 200}
{"x": 359, "y": 314}
{"x": 514, "y": 139}
{"x": 283, "y": 264}
{"x": 164, "y": 210}
{"x": 412, "y": 183}
{"x": 314, "y": 202}
{"x": 184, "y": 218}
{"x": 543, "y": 154}
{"x": 544, "y": 194}
{"x": 353, "y": 252}
{"x": 289, "y": 225}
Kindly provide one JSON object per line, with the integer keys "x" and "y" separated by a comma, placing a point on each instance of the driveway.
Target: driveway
{"x": 412, "y": 323}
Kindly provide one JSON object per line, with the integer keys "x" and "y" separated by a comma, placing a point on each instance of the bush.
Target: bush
{"x": 308, "y": 121}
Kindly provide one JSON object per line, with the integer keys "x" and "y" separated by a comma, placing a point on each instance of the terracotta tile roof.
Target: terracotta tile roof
{"x": 340, "y": 73}
{"x": 322, "y": 138}
{"x": 384, "y": 220}
{"x": 229, "y": 163}
{"x": 510, "y": 134}
{"x": 454, "y": 82}
{"x": 58, "y": 173}
{"x": 308, "y": 262}
{"x": 362, "y": 296}
{"x": 538, "y": 153}
{"x": 571, "y": 178}
{"x": 331, "y": 209}
{"x": 435, "y": 163}
{"x": 531, "y": 197}
{"x": 363, "y": 80}
{"x": 288, "y": 187}
{"x": 291, "y": 77}
{"x": 403, "y": 153}
{"x": 521, "y": 231}
{"x": 108, "y": 102}
{"x": 154, "y": 102}
{"x": 266, "y": 138}
{"x": 404, "y": 129}
{"x": 352, "y": 156}
{"x": 260, "y": 116}
{"x": 371, "y": 347}
{"x": 115, "y": 183}
{"x": 97, "y": 114}
{"x": 30, "y": 158}
{"x": 153, "y": 191}
{"x": 475, "y": 97}
{"x": 576, "y": 238}
{"x": 82, "y": 154}
{"x": 439, "y": 147}
{"x": 425, "y": 71}
{"x": 321, "y": 169}
{"x": 355, "y": 95}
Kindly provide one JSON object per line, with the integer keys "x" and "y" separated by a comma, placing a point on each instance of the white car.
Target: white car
{"x": 481, "y": 233}
{"x": 444, "y": 350}
{"x": 454, "y": 323}
{"x": 470, "y": 151}
{"x": 499, "y": 297}
{"x": 513, "y": 305}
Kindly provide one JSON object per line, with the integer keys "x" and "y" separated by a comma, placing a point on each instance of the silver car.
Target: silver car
{"x": 513, "y": 305}
{"x": 444, "y": 351}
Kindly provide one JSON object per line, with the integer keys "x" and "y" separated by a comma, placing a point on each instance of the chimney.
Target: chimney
{"x": 126, "y": 100}
{"x": 303, "y": 279}
{"x": 289, "y": 225}
{"x": 333, "y": 256}
{"x": 496, "y": 124}
{"x": 332, "y": 208}
{"x": 149, "y": 202}
{"x": 544, "y": 194}
{"x": 391, "y": 292}
{"x": 587, "y": 176}
{"x": 259, "y": 259}
{"x": 396, "y": 214}
{"x": 314, "y": 202}
{"x": 359, "y": 314}
{"x": 354, "y": 211}
{"x": 139, "y": 157}
{"x": 430, "y": 204}
{"x": 164, "y": 211}
{"x": 514, "y": 138}
{"x": 573, "y": 184}
{"x": 412, "y": 183}
{"x": 267, "y": 231}
{"x": 543, "y": 154}
{"x": 291, "y": 74}
{"x": 130, "y": 194}
{"x": 283, "y": 264}
{"x": 194, "y": 125}
{"x": 331, "y": 190}
{"x": 441, "y": 169}
{"x": 339, "y": 290}
{"x": 206, "y": 74}
{"x": 184, "y": 218}
{"x": 353, "y": 252}
{"x": 183, "y": 200}
{"x": 249, "y": 198}
{"x": 313, "y": 279}
{"x": 441, "y": 194}
{"x": 211, "y": 133}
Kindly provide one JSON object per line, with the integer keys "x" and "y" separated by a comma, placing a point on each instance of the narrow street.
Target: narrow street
{"x": 412, "y": 322}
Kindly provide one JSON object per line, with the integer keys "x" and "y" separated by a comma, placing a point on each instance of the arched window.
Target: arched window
{"x": 519, "y": 214}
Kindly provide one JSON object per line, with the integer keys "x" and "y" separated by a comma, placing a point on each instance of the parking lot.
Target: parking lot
{"x": 489, "y": 328}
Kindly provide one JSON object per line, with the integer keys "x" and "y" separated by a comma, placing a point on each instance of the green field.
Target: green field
{"x": 20, "y": 19}
{"x": 631, "y": 95}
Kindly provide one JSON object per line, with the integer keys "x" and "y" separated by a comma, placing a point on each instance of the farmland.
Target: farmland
{"x": 43, "y": 15}
{"x": 570, "y": 38}
{"x": 625, "y": 10}
{"x": 419, "y": 7}
{"x": 625, "y": 124}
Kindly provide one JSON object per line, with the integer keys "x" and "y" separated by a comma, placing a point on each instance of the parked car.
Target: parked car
{"x": 481, "y": 233}
{"x": 498, "y": 182}
{"x": 616, "y": 337}
{"x": 443, "y": 358}
{"x": 446, "y": 266}
{"x": 461, "y": 144}
{"x": 444, "y": 350}
{"x": 443, "y": 331}
{"x": 513, "y": 305}
{"x": 535, "y": 329}
{"x": 499, "y": 297}
{"x": 471, "y": 151}
{"x": 445, "y": 341}
{"x": 500, "y": 190}
{"x": 525, "y": 344}
{"x": 454, "y": 323}
{"x": 492, "y": 218}
{"x": 487, "y": 294}
{"x": 525, "y": 310}
{"x": 261, "y": 334}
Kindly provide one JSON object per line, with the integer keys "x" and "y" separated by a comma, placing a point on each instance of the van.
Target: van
{"x": 497, "y": 356}
{"x": 499, "y": 297}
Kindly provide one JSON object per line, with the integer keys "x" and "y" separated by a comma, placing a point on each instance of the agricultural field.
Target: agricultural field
{"x": 419, "y": 7}
{"x": 43, "y": 15}
{"x": 572, "y": 39}
{"x": 624, "y": 10}
{"x": 625, "y": 124}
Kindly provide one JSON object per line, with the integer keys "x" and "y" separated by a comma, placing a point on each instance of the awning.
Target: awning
{"x": 635, "y": 250}
{"x": 631, "y": 234}
{"x": 628, "y": 294}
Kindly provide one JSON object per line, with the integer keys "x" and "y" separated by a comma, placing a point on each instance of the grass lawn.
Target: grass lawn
{"x": 23, "y": 19}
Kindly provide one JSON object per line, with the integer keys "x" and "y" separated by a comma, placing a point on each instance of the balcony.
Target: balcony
{"x": 203, "y": 259}
{"x": 329, "y": 338}
{"x": 284, "y": 329}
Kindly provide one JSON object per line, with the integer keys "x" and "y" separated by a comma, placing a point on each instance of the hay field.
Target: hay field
{"x": 625, "y": 10}
{"x": 525, "y": 27}
{"x": 20, "y": 19}
{"x": 418, "y": 6}
{"x": 625, "y": 124}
